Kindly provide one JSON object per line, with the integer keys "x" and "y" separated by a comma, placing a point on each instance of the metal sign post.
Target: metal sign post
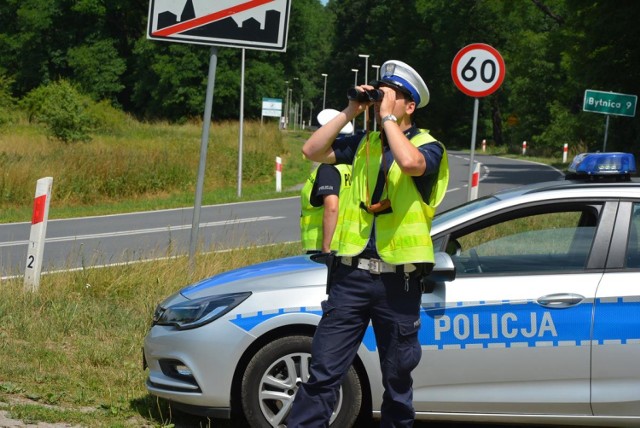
{"x": 477, "y": 70}
{"x": 470, "y": 190}
{"x": 206, "y": 124}
{"x": 253, "y": 24}
{"x": 241, "y": 132}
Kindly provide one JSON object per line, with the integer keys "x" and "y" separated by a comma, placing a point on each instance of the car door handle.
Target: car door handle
{"x": 560, "y": 300}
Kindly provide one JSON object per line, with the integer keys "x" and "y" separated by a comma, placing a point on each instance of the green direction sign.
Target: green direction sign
{"x": 609, "y": 103}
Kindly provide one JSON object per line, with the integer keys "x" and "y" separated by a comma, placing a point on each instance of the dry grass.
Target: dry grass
{"x": 138, "y": 166}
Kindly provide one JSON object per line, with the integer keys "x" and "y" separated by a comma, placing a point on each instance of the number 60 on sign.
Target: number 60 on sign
{"x": 478, "y": 70}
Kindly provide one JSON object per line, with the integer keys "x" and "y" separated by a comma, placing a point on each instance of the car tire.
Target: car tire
{"x": 269, "y": 387}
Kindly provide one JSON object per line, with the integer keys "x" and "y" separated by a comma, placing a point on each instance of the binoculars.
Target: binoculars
{"x": 364, "y": 96}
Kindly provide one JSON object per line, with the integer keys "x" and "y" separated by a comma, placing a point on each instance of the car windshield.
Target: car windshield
{"x": 464, "y": 209}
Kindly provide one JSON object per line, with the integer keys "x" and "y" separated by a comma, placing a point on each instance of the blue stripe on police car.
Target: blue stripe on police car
{"x": 462, "y": 325}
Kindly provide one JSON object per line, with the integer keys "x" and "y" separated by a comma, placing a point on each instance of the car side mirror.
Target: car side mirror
{"x": 443, "y": 271}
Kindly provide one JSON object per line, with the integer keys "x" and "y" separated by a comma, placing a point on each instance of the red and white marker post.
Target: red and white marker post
{"x": 39, "y": 220}
{"x": 484, "y": 146}
{"x": 565, "y": 151}
{"x": 475, "y": 181}
{"x": 524, "y": 148}
{"x": 278, "y": 174}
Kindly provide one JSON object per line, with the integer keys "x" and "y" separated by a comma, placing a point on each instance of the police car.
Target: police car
{"x": 541, "y": 324}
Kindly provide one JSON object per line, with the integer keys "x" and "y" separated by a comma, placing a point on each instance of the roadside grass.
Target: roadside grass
{"x": 71, "y": 352}
{"x": 144, "y": 166}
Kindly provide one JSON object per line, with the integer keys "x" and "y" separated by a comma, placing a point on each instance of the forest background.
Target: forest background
{"x": 553, "y": 49}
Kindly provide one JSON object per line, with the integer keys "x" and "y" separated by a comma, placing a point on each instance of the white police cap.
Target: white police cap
{"x": 327, "y": 114}
{"x": 401, "y": 75}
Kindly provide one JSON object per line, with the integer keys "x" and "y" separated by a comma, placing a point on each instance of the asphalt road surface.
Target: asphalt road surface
{"x": 106, "y": 240}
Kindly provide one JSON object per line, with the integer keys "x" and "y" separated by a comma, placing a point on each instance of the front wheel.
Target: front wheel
{"x": 273, "y": 377}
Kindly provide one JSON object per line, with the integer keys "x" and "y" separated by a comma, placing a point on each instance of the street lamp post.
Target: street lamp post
{"x": 289, "y": 102}
{"x": 355, "y": 83}
{"x": 366, "y": 82}
{"x": 377, "y": 67}
{"x": 286, "y": 105}
{"x": 366, "y": 67}
{"x": 375, "y": 119}
{"x": 295, "y": 106}
{"x": 324, "y": 93}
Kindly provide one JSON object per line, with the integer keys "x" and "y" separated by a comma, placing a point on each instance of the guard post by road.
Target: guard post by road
{"x": 38, "y": 233}
{"x": 477, "y": 70}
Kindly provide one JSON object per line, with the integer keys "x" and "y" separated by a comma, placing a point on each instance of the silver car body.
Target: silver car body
{"x": 541, "y": 325}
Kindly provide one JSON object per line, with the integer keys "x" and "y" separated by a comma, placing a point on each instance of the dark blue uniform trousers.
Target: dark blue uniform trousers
{"x": 392, "y": 303}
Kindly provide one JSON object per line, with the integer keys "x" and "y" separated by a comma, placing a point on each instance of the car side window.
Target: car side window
{"x": 633, "y": 244}
{"x": 537, "y": 243}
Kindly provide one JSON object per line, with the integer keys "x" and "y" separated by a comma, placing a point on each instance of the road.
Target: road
{"x": 105, "y": 240}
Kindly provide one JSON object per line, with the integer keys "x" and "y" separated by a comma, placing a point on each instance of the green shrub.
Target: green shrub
{"x": 6, "y": 100}
{"x": 63, "y": 109}
{"x": 6, "y": 116}
{"x": 108, "y": 120}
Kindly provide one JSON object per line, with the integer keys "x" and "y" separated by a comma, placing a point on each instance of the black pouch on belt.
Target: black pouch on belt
{"x": 331, "y": 260}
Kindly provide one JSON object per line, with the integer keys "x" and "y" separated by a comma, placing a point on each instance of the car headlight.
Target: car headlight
{"x": 198, "y": 312}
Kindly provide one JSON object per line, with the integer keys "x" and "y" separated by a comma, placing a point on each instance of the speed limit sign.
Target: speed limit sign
{"x": 478, "y": 70}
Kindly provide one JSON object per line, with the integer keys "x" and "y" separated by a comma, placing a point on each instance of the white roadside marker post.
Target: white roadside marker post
{"x": 39, "y": 220}
{"x": 278, "y": 174}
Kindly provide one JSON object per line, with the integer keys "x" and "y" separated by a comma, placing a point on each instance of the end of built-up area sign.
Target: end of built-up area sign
{"x": 252, "y": 24}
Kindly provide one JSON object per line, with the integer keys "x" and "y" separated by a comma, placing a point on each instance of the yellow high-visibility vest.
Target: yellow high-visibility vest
{"x": 311, "y": 217}
{"x": 404, "y": 235}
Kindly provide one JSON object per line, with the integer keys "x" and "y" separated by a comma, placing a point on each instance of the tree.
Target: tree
{"x": 600, "y": 51}
{"x": 170, "y": 79}
{"x": 309, "y": 45}
{"x": 98, "y": 68}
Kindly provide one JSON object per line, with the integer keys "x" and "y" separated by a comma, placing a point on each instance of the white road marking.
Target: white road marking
{"x": 146, "y": 231}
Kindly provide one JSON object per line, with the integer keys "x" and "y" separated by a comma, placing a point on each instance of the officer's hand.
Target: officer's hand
{"x": 358, "y": 105}
{"x": 388, "y": 101}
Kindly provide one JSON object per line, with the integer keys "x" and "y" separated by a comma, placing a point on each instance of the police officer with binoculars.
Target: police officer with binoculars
{"x": 384, "y": 248}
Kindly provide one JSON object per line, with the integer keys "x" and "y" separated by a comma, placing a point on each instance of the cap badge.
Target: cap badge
{"x": 389, "y": 69}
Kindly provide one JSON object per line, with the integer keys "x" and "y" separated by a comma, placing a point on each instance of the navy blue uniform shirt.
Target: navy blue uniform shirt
{"x": 328, "y": 181}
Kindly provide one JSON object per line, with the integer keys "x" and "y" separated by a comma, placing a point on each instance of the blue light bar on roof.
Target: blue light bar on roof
{"x": 609, "y": 164}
